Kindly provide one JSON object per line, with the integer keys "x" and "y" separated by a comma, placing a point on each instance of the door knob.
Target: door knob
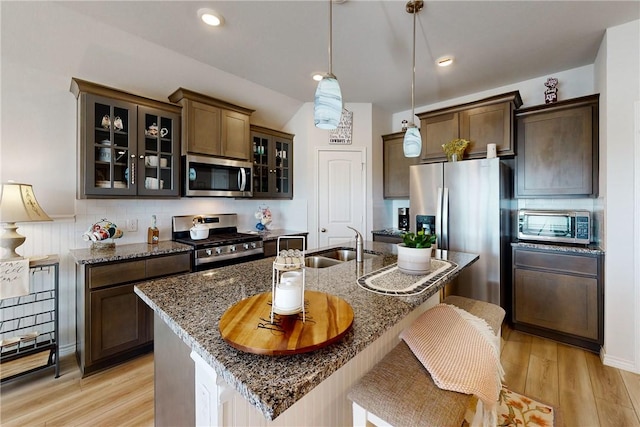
{"x": 323, "y": 230}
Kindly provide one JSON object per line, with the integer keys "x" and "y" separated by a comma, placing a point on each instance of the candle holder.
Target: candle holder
{"x": 288, "y": 280}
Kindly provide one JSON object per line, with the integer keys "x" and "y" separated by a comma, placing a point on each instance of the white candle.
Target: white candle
{"x": 288, "y": 296}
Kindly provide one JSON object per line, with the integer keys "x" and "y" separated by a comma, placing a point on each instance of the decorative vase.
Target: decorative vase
{"x": 414, "y": 261}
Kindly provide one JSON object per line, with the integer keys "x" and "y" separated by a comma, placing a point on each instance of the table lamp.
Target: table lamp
{"x": 17, "y": 204}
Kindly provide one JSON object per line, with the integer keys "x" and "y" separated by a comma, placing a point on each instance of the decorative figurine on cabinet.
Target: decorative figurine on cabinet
{"x": 551, "y": 94}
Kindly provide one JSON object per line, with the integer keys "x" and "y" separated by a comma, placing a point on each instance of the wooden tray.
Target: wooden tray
{"x": 247, "y": 327}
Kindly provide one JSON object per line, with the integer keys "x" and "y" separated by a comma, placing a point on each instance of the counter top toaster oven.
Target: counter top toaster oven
{"x": 562, "y": 226}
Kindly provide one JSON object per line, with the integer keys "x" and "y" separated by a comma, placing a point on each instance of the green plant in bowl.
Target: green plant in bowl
{"x": 418, "y": 240}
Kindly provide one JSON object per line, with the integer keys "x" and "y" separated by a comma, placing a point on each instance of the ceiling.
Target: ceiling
{"x": 279, "y": 44}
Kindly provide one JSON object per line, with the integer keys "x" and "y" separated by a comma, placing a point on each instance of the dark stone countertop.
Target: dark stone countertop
{"x": 268, "y": 235}
{"x": 191, "y": 305}
{"x": 389, "y": 232}
{"x": 127, "y": 251}
{"x": 592, "y": 249}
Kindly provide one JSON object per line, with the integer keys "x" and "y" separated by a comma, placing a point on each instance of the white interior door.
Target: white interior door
{"x": 341, "y": 195}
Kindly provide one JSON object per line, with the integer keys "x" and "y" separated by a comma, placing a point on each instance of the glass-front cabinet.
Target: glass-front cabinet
{"x": 128, "y": 145}
{"x": 272, "y": 163}
{"x": 160, "y": 152}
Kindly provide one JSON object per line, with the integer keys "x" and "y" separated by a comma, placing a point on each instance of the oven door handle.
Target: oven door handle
{"x": 242, "y": 179}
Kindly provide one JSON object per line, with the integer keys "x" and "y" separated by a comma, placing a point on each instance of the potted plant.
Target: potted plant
{"x": 414, "y": 253}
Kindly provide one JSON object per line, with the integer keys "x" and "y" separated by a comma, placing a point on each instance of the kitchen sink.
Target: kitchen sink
{"x": 344, "y": 254}
{"x": 320, "y": 262}
{"x": 334, "y": 257}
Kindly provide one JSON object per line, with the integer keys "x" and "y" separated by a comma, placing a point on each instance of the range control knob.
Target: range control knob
{"x": 253, "y": 245}
{"x": 245, "y": 246}
{"x": 232, "y": 248}
{"x": 218, "y": 251}
{"x": 208, "y": 251}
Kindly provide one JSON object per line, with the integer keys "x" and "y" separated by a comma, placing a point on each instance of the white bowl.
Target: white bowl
{"x": 198, "y": 233}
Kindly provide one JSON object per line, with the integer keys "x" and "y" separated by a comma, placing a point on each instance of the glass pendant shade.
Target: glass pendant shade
{"x": 327, "y": 107}
{"x": 412, "y": 143}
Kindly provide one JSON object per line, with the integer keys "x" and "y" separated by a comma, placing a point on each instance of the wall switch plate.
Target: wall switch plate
{"x": 132, "y": 225}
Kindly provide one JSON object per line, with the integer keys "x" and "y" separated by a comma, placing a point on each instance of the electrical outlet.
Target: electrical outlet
{"x": 132, "y": 225}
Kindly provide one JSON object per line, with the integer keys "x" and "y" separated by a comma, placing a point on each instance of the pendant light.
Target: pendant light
{"x": 327, "y": 107}
{"x": 412, "y": 144}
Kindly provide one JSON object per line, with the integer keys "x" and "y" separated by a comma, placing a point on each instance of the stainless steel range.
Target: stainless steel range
{"x": 221, "y": 245}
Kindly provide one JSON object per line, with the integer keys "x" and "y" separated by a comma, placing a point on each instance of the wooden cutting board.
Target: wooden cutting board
{"x": 247, "y": 327}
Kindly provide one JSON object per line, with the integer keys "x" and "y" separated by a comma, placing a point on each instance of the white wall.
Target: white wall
{"x": 618, "y": 76}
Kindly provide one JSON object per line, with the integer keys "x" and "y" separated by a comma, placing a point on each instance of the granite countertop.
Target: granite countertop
{"x": 192, "y": 305}
{"x": 275, "y": 233}
{"x": 389, "y": 232}
{"x": 582, "y": 249}
{"x": 127, "y": 251}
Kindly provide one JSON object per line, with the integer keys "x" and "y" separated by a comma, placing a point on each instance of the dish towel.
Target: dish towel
{"x": 14, "y": 278}
{"x": 461, "y": 352}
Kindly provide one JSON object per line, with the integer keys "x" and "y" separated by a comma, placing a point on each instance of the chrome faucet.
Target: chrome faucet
{"x": 359, "y": 244}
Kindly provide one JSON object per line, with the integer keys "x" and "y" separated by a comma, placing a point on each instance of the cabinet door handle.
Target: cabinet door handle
{"x": 323, "y": 230}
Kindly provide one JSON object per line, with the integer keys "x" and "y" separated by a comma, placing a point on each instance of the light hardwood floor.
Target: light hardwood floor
{"x": 586, "y": 392}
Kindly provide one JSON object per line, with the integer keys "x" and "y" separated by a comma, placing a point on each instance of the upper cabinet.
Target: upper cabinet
{"x": 395, "y": 167}
{"x": 272, "y": 163}
{"x": 558, "y": 149}
{"x": 488, "y": 121}
{"x": 213, "y": 127}
{"x": 128, "y": 145}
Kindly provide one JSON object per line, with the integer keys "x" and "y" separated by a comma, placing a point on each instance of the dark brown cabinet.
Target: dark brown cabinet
{"x": 387, "y": 238}
{"x": 213, "y": 127}
{"x": 119, "y": 322}
{"x": 127, "y": 145}
{"x": 559, "y": 295}
{"x": 272, "y": 163}
{"x": 113, "y": 323}
{"x": 558, "y": 149}
{"x": 395, "y": 178}
{"x": 487, "y": 121}
{"x": 271, "y": 246}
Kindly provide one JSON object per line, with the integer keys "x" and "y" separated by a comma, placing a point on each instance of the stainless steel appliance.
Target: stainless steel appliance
{"x": 403, "y": 219}
{"x": 469, "y": 205}
{"x": 216, "y": 177}
{"x": 564, "y": 226}
{"x": 223, "y": 244}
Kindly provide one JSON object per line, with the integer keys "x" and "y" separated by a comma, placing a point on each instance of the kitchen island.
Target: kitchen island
{"x": 237, "y": 388}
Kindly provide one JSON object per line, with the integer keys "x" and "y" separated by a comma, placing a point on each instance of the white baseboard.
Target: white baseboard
{"x": 616, "y": 362}
{"x": 67, "y": 349}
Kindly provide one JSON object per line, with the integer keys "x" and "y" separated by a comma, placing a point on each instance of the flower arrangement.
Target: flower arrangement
{"x": 418, "y": 240}
{"x": 455, "y": 148}
{"x": 263, "y": 214}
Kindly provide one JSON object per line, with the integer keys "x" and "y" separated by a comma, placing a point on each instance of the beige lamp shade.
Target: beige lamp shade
{"x": 17, "y": 204}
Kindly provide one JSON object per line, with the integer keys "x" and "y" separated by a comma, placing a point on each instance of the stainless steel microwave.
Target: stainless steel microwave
{"x": 563, "y": 226}
{"x": 216, "y": 177}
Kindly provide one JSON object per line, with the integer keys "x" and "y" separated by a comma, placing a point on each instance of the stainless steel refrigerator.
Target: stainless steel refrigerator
{"x": 469, "y": 205}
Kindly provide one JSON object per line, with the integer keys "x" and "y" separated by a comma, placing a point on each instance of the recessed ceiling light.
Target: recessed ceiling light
{"x": 445, "y": 61}
{"x": 317, "y": 76}
{"x": 211, "y": 17}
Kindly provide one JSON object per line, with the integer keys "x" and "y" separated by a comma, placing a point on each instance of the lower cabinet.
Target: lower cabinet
{"x": 119, "y": 321}
{"x": 559, "y": 295}
{"x": 112, "y": 323}
{"x": 387, "y": 238}
{"x": 271, "y": 246}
